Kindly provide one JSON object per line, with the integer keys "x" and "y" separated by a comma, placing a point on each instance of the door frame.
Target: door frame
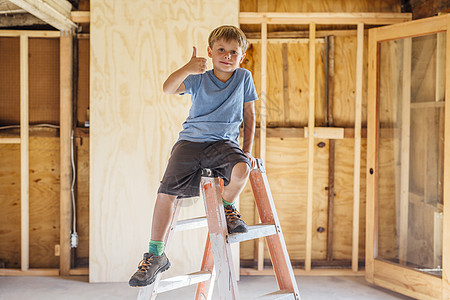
{"x": 386, "y": 274}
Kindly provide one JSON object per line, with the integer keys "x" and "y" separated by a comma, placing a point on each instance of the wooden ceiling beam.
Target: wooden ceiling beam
{"x": 323, "y": 18}
{"x": 54, "y": 12}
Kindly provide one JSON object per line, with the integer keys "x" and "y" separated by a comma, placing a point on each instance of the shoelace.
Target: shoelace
{"x": 144, "y": 264}
{"x": 232, "y": 214}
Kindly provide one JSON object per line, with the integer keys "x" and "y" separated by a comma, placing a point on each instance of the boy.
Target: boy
{"x": 221, "y": 99}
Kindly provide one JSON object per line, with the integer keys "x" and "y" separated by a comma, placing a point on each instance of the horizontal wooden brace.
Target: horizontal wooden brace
{"x": 5, "y": 140}
{"x": 57, "y": 14}
{"x": 81, "y": 16}
{"x": 323, "y": 18}
{"x": 299, "y": 132}
{"x": 313, "y": 272}
{"x": 30, "y": 33}
{"x": 29, "y": 272}
{"x": 333, "y": 133}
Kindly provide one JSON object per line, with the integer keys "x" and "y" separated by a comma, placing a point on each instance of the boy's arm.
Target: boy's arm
{"x": 174, "y": 83}
{"x": 249, "y": 130}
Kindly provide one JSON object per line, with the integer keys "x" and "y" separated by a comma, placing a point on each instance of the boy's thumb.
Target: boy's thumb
{"x": 194, "y": 52}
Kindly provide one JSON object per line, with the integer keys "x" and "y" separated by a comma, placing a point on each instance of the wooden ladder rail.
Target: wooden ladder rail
{"x": 269, "y": 228}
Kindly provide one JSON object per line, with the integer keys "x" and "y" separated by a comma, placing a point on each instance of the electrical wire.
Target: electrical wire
{"x": 73, "y": 183}
{"x": 74, "y": 235}
{"x": 35, "y": 125}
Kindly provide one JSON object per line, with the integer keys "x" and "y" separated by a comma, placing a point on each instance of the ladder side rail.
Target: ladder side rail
{"x": 218, "y": 233}
{"x": 167, "y": 240}
{"x": 276, "y": 243}
{"x": 205, "y": 288}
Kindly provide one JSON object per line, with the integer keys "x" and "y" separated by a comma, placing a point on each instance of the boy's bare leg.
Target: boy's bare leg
{"x": 239, "y": 176}
{"x": 162, "y": 216}
{"x": 154, "y": 262}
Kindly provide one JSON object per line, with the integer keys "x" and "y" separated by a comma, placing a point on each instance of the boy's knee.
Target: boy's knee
{"x": 241, "y": 170}
{"x": 166, "y": 198}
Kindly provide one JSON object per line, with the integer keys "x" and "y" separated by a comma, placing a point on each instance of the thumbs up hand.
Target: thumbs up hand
{"x": 197, "y": 65}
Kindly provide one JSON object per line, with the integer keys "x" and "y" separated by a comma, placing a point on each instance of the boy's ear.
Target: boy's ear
{"x": 242, "y": 58}
{"x": 209, "y": 51}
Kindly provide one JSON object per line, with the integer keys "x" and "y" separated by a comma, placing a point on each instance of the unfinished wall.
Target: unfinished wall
{"x": 134, "y": 47}
{"x": 43, "y": 55}
{"x": 287, "y": 107}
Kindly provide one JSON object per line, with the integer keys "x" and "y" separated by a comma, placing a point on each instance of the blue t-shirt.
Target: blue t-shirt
{"x": 217, "y": 107}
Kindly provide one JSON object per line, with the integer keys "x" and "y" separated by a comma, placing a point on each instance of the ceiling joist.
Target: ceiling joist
{"x": 54, "y": 12}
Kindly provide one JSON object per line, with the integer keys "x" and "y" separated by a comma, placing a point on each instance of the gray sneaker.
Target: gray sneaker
{"x": 148, "y": 268}
{"x": 234, "y": 222}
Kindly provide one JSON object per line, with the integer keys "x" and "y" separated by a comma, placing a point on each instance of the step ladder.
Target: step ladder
{"x": 217, "y": 260}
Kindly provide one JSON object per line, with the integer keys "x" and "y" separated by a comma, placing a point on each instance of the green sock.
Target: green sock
{"x": 156, "y": 247}
{"x": 225, "y": 203}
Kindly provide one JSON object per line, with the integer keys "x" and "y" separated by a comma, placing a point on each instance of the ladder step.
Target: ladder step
{"x": 191, "y": 224}
{"x": 254, "y": 232}
{"x": 281, "y": 294}
{"x": 182, "y": 281}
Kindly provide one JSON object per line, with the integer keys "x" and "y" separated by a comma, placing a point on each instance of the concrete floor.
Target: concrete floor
{"x": 77, "y": 287}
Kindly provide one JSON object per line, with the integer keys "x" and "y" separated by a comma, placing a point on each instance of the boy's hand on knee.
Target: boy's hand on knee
{"x": 197, "y": 65}
{"x": 252, "y": 159}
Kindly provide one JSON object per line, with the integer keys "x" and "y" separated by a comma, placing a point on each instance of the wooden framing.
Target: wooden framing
{"x": 300, "y": 272}
{"x": 311, "y": 116}
{"x": 65, "y": 139}
{"x": 55, "y": 12}
{"x": 80, "y": 16}
{"x": 357, "y": 152}
{"x": 359, "y": 19}
{"x": 405, "y": 146}
{"x": 446, "y": 202}
{"x": 259, "y": 243}
{"x": 389, "y": 275}
{"x": 66, "y": 87}
{"x": 323, "y": 18}
{"x": 24, "y": 156}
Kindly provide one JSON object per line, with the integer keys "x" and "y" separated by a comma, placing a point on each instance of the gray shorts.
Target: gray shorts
{"x": 183, "y": 172}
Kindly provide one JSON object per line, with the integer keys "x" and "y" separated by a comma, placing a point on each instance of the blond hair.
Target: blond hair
{"x": 228, "y": 32}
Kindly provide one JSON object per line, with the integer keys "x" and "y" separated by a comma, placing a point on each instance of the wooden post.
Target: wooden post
{"x": 372, "y": 118}
{"x": 24, "y": 157}
{"x": 405, "y": 145}
{"x": 285, "y": 83}
{"x": 66, "y": 86}
{"x": 446, "y": 222}
{"x": 259, "y": 243}
{"x": 357, "y": 153}
{"x": 263, "y": 100}
{"x": 311, "y": 115}
{"x": 329, "y": 82}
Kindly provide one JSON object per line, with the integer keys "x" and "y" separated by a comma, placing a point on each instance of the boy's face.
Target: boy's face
{"x": 226, "y": 55}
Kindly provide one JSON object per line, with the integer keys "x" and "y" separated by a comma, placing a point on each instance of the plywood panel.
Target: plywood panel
{"x": 44, "y": 201}
{"x": 291, "y": 108}
{"x": 133, "y": 125}
{"x": 83, "y": 82}
{"x": 43, "y": 81}
{"x": 343, "y": 201}
{"x": 9, "y": 81}
{"x": 10, "y": 205}
{"x": 286, "y": 171}
{"x": 82, "y": 159}
{"x": 387, "y": 191}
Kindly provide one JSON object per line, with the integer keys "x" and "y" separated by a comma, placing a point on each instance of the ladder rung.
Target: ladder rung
{"x": 191, "y": 224}
{"x": 281, "y": 294}
{"x": 182, "y": 281}
{"x": 254, "y": 232}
